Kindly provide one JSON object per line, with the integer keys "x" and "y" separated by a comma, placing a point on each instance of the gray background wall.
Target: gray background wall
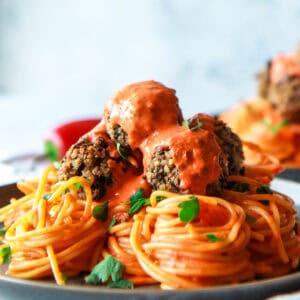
{"x": 66, "y": 57}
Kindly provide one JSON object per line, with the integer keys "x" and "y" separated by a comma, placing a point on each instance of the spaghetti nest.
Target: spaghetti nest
{"x": 179, "y": 241}
{"x": 51, "y": 231}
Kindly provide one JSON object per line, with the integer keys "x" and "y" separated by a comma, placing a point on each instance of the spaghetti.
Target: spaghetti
{"x": 258, "y": 122}
{"x": 55, "y": 236}
{"x": 59, "y": 236}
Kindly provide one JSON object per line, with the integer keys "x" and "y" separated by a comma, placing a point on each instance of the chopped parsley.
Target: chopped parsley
{"x": 160, "y": 198}
{"x": 100, "y": 212}
{"x": 109, "y": 269}
{"x": 274, "y": 129}
{"x": 264, "y": 189}
{"x": 51, "y": 151}
{"x": 121, "y": 284}
{"x": 5, "y": 254}
{"x": 213, "y": 238}
{"x": 2, "y": 230}
{"x": 250, "y": 220}
{"x": 112, "y": 223}
{"x": 77, "y": 186}
{"x": 47, "y": 196}
{"x": 122, "y": 152}
{"x": 185, "y": 123}
{"x": 190, "y": 209}
{"x": 237, "y": 186}
{"x": 138, "y": 201}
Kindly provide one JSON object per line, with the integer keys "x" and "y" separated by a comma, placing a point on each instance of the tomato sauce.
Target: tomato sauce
{"x": 149, "y": 113}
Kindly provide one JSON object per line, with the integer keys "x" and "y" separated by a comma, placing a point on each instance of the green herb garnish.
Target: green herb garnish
{"x": 112, "y": 223}
{"x": 190, "y": 209}
{"x": 237, "y": 186}
{"x": 47, "y": 196}
{"x": 122, "y": 152}
{"x": 121, "y": 284}
{"x": 185, "y": 123}
{"x": 5, "y": 254}
{"x": 264, "y": 189}
{"x": 137, "y": 201}
{"x": 51, "y": 151}
{"x": 2, "y": 230}
{"x": 64, "y": 277}
{"x": 213, "y": 238}
{"x": 77, "y": 186}
{"x": 250, "y": 220}
{"x": 274, "y": 129}
{"x": 109, "y": 268}
{"x": 100, "y": 212}
{"x": 160, "y": 198}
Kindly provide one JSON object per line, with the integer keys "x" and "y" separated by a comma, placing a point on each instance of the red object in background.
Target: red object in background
{"x": 59, "y": 139}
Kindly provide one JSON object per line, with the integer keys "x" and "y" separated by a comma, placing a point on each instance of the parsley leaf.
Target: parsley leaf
{"x": 250, "y": 220}
{"x": 47, "y": 196}
{"x": 137, "y": 195}
{"x": 112, "y": 223}
{"x": 198, "y": 125}
{"x": 107, "y": 268}
{"x": 5, "y": 254}
{"x": 2, "y": 230}
{"x": 160, "y": 198}
{"x": 121, "y": 284}
{"x": 237, "y": 186}
{"x": 122, "y": 152}
{"x": 189, "y": 209}
{"x": 185, "y": 123}
{"x": 137, "y": 201}
{"x": 77, "y": 185}
{"x": 274, "y": 129}
{"x": 100, "y": 212}
{"x": 264, "y": 189}
{"x": 51, "y": 151}
{"x": 213, "y": 238}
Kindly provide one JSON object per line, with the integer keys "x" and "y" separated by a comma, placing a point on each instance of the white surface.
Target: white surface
{"x": 63, "y": 58}
{"x": 287, "y": 187}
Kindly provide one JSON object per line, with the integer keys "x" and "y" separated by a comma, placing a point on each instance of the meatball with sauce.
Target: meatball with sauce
{"x": 90, "y": 159}
{"x": 139, "y": 110}
{"x": 280, "y": 85}
{"x": 196, "y": 159}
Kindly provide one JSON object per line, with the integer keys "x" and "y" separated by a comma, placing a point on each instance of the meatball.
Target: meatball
{"x": 188, "y": 161}
{"x": 89, "y": 160}
{"x": 164, "y": 173}
{"x": 138, "y": 110}
{"x": 280, "y": 85}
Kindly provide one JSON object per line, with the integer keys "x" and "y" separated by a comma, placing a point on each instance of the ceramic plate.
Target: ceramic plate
{"x": 12, "y": 288}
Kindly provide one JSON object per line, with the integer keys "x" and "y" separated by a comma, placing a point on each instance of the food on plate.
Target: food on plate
{"x": 149, "y": 197}
{"x": 273, "y": 120}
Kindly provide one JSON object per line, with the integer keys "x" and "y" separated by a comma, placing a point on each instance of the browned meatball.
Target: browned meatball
{"x": 89, "y": 160}
{"x": 283, "y": 92}
{"x": 163, "y": 174}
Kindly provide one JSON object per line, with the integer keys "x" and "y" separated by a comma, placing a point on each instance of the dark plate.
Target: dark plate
{"x": 290, "y": 174}
{"x": 12, "y": 288}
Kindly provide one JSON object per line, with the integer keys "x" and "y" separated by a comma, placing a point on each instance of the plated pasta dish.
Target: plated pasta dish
{"x": 149, "y": 197}
{"x": 272, "y": 120}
